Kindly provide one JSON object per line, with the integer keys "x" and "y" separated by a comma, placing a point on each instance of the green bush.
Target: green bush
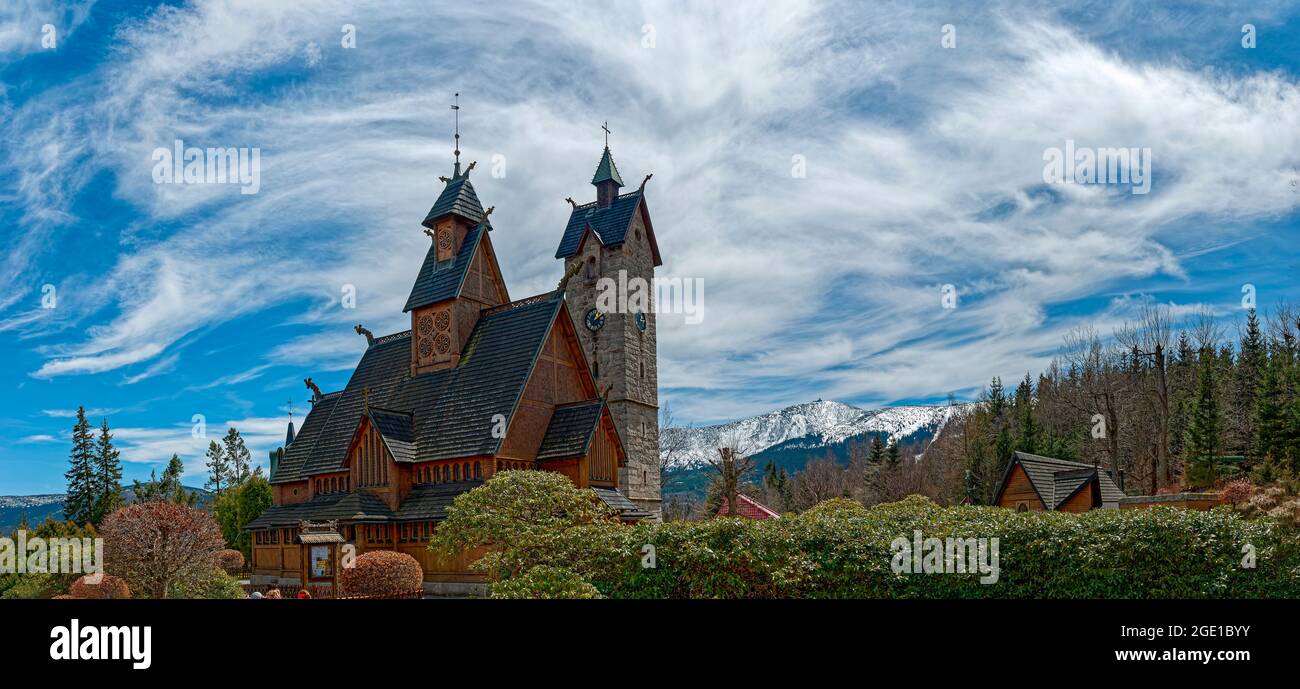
{"x": 544, "y": 581}
{"x": 216, "y": 586}
{"x": 837, "y": 550}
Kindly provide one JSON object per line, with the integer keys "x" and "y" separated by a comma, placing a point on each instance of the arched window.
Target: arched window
{"x": 456, "y": 472}
{"x": 318, "y": 485}
{"x": 478, "y": 470}
{"x": 1022, "y": 507}
{"x": 591, "y": 269}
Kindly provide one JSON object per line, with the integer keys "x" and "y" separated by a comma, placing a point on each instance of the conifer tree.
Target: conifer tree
{"x": 877, "y": 450}
{"x": 79, "y": 505}
{"x": 1024, "y": 403}
{"x": 892, "y": 456}
{"x": 1204, "y": 429}
{"x": 238, "y": 458}
{"x": 108, "y": 475}
{"x": 218, "y": 468}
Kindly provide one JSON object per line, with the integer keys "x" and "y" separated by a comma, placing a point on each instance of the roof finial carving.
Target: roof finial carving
{"x": 361, "y": 330}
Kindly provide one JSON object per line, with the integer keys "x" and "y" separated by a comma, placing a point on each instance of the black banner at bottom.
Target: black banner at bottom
{"x": 542, "y": 638}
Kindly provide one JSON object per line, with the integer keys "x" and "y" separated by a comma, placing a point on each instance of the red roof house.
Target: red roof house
{"x": 749, "y": 508}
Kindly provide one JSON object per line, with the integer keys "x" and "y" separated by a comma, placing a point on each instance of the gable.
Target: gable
{"x": 1017, "y": 489}
{"x": 611, "y": 224}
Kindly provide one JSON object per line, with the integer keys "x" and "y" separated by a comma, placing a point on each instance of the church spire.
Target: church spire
{"x": 606, "y": 180}
{"x": 456, "y": 107}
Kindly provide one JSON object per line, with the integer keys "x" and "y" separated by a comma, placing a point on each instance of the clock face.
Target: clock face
{"x": 640, "y": 321}
{"x": 594, "y": 320}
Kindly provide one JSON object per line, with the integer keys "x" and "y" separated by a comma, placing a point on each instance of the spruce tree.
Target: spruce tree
{"x": 1270, "y": 412}
{"x": 877, "y": 449}
{"x": 1024, "y": 403}
{"x": 108, "y": 475}
{"x": 892, "y": 456}
{"x": 79, "y": 505}
{"x": 218, "y": 468}
{"x": 1251, "y": 362}
{"x": 1204, "y": 429}
{"x": 238, "y": 457}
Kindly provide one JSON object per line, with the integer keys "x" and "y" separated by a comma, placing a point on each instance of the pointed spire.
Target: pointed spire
{"x": 606, "y": 171}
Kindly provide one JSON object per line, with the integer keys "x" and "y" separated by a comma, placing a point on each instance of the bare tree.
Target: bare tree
{"x": 673, "y": 440}
{"x": 821, "y": 479}
{"x": 1096, "y": 366}
{"x": 1148, "y": 338}
{"x": 732, "y": 464}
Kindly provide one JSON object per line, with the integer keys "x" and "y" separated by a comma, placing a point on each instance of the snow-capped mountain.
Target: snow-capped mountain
{"x": 811, "y": 425}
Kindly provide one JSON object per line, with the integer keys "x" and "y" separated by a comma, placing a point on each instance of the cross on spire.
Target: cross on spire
{"x": 290, "y": 403}
{"x": 456, "y": 107}
{"x": 606, "y": 128}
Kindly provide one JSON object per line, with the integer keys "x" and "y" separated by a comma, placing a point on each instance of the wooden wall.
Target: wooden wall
{"x": 1019, "y": 490}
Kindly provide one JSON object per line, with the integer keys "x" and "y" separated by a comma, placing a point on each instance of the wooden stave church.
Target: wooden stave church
{"x": 420, "y": 421}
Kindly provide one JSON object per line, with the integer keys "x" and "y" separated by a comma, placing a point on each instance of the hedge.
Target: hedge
{"x": 843, "y": 550}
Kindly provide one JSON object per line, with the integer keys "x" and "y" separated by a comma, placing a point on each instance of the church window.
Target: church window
{"x": 478, "y": 470}
{"x": 642, "y": 369}
{"x": 590, "y": 274}
{"x": 456, "y": 471}
{"x": 275, "y": 536}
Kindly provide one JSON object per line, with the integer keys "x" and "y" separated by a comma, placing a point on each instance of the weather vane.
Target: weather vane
{"x": 290, "y": 403}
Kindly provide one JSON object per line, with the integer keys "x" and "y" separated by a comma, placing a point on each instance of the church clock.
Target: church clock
{"x": 594, "y": 320}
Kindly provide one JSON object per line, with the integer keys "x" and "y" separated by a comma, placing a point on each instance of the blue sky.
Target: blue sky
{"x": 923, "y": 169}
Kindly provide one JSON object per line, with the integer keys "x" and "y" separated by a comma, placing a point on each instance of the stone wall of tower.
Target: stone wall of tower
{"x": 623, "y": 358}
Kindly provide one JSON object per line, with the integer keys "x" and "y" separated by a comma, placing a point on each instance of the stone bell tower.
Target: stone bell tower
{"x": 612, "y": 243}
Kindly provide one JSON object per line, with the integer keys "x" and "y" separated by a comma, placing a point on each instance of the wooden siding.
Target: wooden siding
{"x": 1020, "y": 491}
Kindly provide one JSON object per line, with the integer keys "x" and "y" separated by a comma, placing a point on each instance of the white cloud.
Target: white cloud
{"x": 825, "y": 286}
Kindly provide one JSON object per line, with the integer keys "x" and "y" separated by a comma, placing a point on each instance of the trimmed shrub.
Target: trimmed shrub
{"x": 382, "y": 573}
{"x": 545, "y": 581}
{"x": 837, "y": 550}
{"x": 108, "y": 587}
{"x": 231, "y": 561}
{"x": 216, "y": 585}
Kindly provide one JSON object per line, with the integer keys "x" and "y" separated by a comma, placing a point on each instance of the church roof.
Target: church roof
{"x": 570, "y": 431}
{"x": 606, "y": 170}
{"x": 610, "y": 223}
{"x": 357, "y": 506}
{"x": 429, "y": 502}
{"x": 450, "y": 410}
{"x": 437, "y": 282}
{"x": 397, "y": 431}
{"x": 457, "y": 197}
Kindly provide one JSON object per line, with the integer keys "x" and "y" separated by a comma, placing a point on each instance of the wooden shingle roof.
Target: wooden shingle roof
{"x": 1057, "y": 480}
{"x": 439, "y": 281}
{"x": 570, "y": 431}
{"x": 450, "y": 410}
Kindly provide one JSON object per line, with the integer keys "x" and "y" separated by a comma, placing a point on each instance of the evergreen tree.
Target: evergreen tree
{"x": 1270, "y": 412}
{"x": 1204, "y": 429}
{"x": 1024, "y": 403}
{"x": 218, "y": 468}
{"x": 1251, "y": 361}
{"x": 108, "y": 475}
{"x": 892, "y": 456}
{"x": 877, "y": 449}
{"x": 79, "y": 506}
{"x": 238, "y": 457}
{"x": 167, "y": 488}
